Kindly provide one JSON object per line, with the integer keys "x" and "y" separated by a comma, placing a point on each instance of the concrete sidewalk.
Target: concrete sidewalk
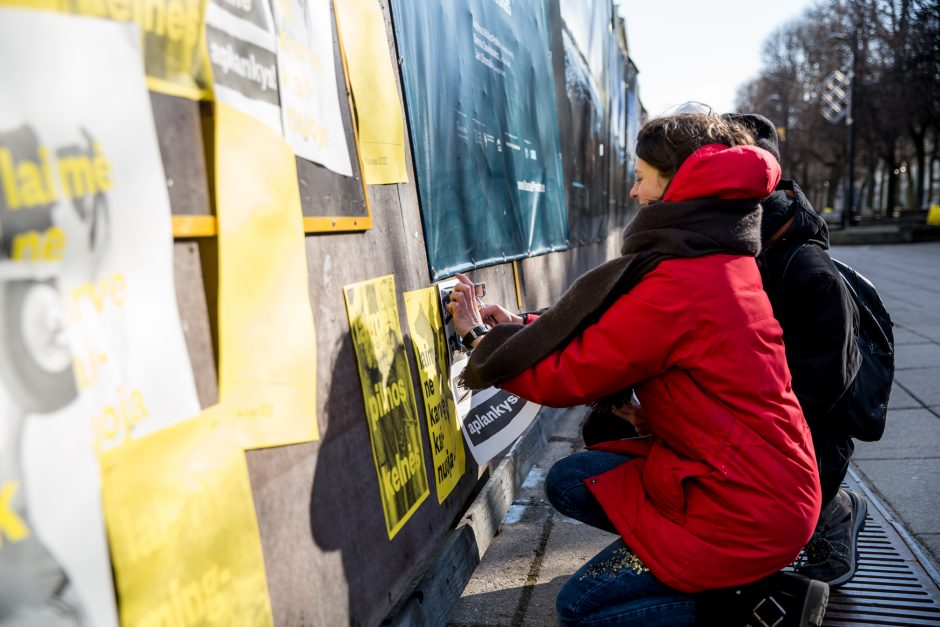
{"x": 537, "y": 549}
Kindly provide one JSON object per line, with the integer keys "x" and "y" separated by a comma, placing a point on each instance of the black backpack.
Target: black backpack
{"x": 865, "y": 403}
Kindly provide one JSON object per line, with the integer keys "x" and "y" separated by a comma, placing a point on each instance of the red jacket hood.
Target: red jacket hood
{"x": 716, "y": 170}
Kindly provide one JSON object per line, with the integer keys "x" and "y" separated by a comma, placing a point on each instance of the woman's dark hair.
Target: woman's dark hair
{"x": 666, "y": 142}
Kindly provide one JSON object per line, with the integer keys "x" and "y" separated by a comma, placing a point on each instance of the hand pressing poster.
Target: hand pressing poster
{"x": 309, "y": 100}
{"x": 389, "y": 399}
{"x": 92, "y": 352}
{"x": 490, "y": 419}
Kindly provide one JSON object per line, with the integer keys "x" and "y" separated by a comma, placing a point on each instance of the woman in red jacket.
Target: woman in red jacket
{"x": 723, "y": 491}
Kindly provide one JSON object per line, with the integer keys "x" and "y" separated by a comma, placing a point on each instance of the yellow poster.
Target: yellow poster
{"x": 389, "y": 398}
{"x": 427, "y": 336}
{"x": 364, "y": 43}
{"x": 933, "y": 216}
{"x": 267, "y": 344}
{"x": 171, "y": 31}
{"x": 182, "y": 528}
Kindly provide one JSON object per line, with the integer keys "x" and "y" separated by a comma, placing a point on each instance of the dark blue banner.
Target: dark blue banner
{"x": 480, "y": 100}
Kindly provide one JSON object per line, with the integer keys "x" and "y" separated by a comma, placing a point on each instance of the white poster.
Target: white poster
{"x": 92, "y": 352}
{"x": 307, "y": 74}
{"x": 496, "y": 418}
{"x": 490, "y": 419}
{"x": 242, "y": 48}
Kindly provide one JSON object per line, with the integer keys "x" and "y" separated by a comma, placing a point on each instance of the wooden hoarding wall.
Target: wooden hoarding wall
{"x": 328, "y": 558}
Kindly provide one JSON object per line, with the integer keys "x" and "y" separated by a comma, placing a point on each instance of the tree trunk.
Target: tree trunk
{"x": 868, "y": 196}
{"x": 921, "y": 151}
{"x": 910, "y": 198}
{"x": 831, "y": 189}
{"x": 931, "y": 198}
{"x": 883, "y": 191}
{"x": 893, "y": 187}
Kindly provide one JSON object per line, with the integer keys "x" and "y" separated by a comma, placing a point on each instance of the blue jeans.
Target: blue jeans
{"x": 613, "y": 587}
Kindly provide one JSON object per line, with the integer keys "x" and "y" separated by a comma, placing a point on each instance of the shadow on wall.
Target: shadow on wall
{"x": 345, "y": 508}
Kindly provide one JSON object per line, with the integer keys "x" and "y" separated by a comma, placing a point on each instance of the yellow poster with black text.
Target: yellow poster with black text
{"x": 423, "y": 310}
{"x": 170, "y": 36}
{"x": 389, "y": 398}
{"x": 181, "y": 523}
{"x": 267, "y": 342}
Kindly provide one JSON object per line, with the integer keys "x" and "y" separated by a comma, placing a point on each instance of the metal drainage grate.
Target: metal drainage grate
{"x": 895, "y": 584}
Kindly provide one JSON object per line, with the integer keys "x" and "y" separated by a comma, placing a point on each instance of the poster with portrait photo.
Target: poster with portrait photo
{"x": 92, "y": 351}
{"x": 389, "y": 399}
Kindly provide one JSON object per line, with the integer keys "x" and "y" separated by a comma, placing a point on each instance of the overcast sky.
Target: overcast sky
{"x": 700, "y": 49}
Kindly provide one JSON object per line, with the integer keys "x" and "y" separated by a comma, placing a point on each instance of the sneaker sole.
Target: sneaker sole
{"x": 861, "y": 510}
{"x": 814, "y": 608}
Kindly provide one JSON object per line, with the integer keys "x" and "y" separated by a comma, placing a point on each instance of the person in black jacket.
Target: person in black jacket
{"x": 820, "y": 330}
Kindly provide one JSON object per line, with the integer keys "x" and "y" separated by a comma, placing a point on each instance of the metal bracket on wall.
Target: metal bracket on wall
{"x": 194, "y": 226}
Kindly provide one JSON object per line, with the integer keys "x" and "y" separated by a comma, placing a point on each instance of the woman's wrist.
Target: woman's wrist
{"x": 473, "y": 336}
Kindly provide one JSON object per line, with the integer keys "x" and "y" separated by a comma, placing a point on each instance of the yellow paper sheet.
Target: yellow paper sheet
{"x": 427, "y": 337}
{"x": 182, "y": 528}
{"x": 389, "y": 399}
{"x": 267, "y": 344}
{"x": 364, "y": 43}
{"x": 171, "y": 34}
{"x": 933, "y": 216}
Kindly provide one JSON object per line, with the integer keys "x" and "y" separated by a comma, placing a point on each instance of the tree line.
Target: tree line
{"x": 891, "y": 49}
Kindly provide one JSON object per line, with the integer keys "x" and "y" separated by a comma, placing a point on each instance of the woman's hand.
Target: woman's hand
{"x": 496, "y": 314}
{"x": 633, "y": 413}
{"x": 464, "y": 305}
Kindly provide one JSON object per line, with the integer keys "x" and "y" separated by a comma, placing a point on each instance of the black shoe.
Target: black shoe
{"x": 784, "y": 599}
{"x": 832, "y": 552}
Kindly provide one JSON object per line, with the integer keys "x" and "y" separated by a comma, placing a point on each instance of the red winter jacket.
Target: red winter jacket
{"x": 726, "y": 489}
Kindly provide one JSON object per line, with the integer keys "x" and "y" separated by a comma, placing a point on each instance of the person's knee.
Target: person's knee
{"x": 558, "y": 481}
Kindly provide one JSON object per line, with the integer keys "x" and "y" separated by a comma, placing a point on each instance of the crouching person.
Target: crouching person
{"x": 723, "y": 492}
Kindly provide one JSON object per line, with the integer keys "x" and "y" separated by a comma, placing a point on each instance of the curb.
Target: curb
{"x": 888, "y": 234}
{"x": 436, "y": 591}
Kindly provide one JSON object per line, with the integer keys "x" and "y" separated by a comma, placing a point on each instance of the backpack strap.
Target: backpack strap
{"x": 786, "y": 264}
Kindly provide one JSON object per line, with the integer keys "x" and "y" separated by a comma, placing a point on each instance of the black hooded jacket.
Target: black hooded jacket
{"x": 813, "y": 305}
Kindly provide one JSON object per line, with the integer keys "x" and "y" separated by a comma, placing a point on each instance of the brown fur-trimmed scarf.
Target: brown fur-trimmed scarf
{"x": 660, "y": 231}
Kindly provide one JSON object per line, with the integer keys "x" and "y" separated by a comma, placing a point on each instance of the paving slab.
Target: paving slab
{"x": 903, "y": 336}
{"x": 910, "y": 488}
{"x": 922, "y": 383}
{"x": 917, "y": 356}
{"x": 931, "y": 542}
{"x": 533, "y": 488}
{"x": 570, "y": 545}
{"x": 909, "y": 434}
{"x": 900, "y": 399}
{"x": 492, "y": 596}
{"x": 931, "y": 331}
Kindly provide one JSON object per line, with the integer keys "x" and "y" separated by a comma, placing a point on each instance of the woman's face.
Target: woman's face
{"x": 650, "y": 185}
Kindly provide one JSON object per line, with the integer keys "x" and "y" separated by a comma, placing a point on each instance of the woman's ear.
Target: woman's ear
{"x": 666, "y": 180}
